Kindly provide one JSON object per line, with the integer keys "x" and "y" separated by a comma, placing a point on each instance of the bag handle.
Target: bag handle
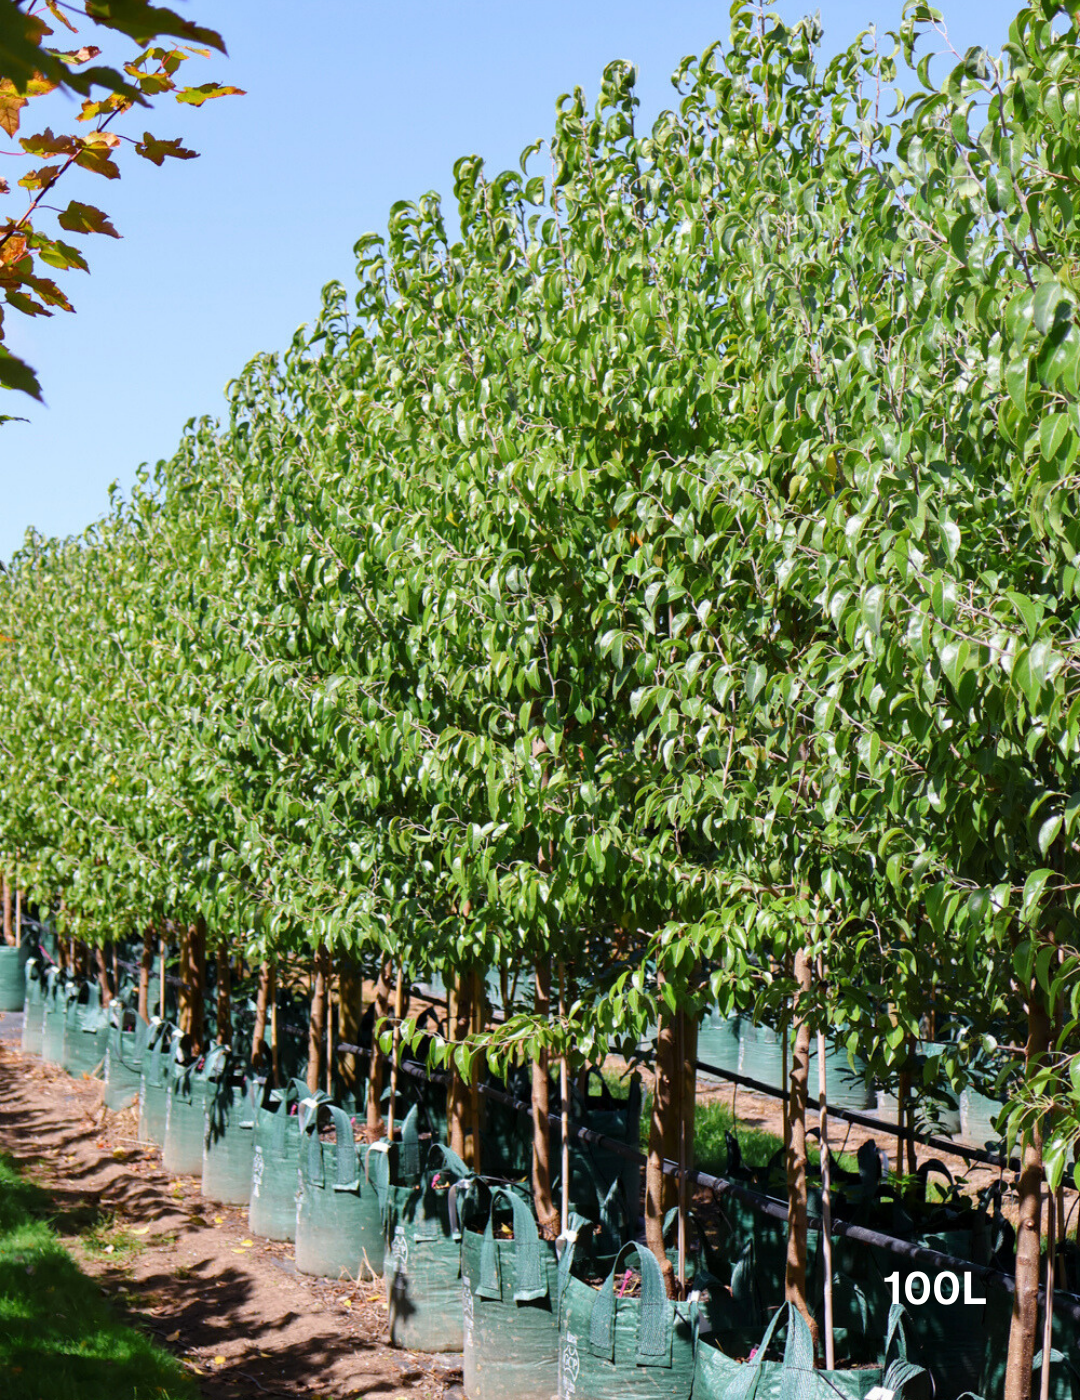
{"x": 410, "y": 1142}
{"x": 348, "y": 1177}
{"x": 655, "y": 1317}
{"x": 530, "y": 1281}
{"x": 744, "y": 1385}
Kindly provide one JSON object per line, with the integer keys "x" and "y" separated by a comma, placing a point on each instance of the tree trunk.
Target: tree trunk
{"x": 460, "y": 1020}
{"x": 260, "y": 1052}
{"x": 546, "y": 1213}
{"x": 476, "y": 1111}
{"x": 146, "y": 966}
{"x": 661, "y": 1192}
{"x": 317, "y": 1027}
{"x": 193, "y": 981}
{"x": 9, "y": 933}
{"x": 686, "y": 1034}
{"x": 375, "y": 1125}
{"x": 1023, "y": 1334}
{"x": 795, "y": 1273}
{"x": 103, "y": 975}
{"x": 223, "y": 1010}
{"x": 350, "y": 1015}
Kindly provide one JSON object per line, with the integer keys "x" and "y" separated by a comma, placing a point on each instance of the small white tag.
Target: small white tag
{"x": 879, "y": 1392}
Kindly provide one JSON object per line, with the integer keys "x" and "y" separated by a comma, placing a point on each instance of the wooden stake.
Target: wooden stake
{"x": 330, "y": 1028}
{"x": 18, "y": 917}
{"x": 399, "y": 1006}
{"x": 826, "y": 1200}
{"x": 564, "y": 1091}
{"x": 9, "y": 934}
{"x": 1048, "y": 1319}
{"x": 680, "y": 1051}
{"x": 161, "y": 988}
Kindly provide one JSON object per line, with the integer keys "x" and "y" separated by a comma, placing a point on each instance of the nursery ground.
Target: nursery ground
{"x": 229, "y": 1305}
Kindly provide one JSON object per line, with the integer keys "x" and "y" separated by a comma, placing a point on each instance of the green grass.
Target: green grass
{"x": 59, "y": 1339}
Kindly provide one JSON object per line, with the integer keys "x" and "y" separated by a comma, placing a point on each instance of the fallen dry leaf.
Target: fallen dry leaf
{"x": 173, "y": 1336}
{"x": 141, "y": 1230}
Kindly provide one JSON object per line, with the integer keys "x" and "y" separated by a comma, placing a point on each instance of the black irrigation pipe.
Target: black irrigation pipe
{"x": 849, "y": 1115}
{"x": 1066, "y": 1305}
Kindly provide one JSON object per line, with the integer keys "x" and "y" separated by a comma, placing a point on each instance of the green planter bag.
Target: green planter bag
{"x": 977, "y": 1113}
{"x": 13, "y": 977}
{"x": 761, "y": 1054}
{"x": 510, "y": 1296}
{"x": 123, "y": 1057}
{"x": 276, "y": 1157}
{"x": 423, "y": 1257}
{"x": 338, "y": 1212}
{"x": 228, "y": 1140}
{"x": 721, "y": 1377}
{"x": 185, "y": 1110}
{"x": 605, "y": 1187}
{"x": 844, "y": 1086}
{"x": 58, "y": 992}
{"x": 612, "y": 1347}
{"x": 1064, "y": 1352}
{"x": 154, "y": 1081}
{"x": 718, "y": 1044}
{"x": 87, "y": 1032}
{"x": 33, "y": 1006}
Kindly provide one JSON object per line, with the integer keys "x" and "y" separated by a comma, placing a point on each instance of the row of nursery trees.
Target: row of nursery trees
{"x": 664, "y": 579}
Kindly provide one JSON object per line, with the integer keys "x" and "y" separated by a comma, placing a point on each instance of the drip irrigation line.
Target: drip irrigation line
{"x": 1065, "y": 1305}
{"x": 970, "y": 1154}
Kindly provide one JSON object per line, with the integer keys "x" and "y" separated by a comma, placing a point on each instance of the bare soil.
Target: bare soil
{"x": 186, "y": 1270}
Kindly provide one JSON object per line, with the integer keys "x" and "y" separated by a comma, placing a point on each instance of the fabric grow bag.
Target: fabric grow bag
{"x": 185, "y": 1108}
{"x": 844, "y": 1087}
{"x": 13, "y": 977}
{"x": 509, "y": 1295}
{"x": 1064, "y": 1353}
{"x": 276, "y": 1157}
{"x": 948, "y": 1339}
{"x": 718, "y": 1044}
{"x": 338, "y": 1211}
{"x": 228, "y": 1139}
{"x": 58, "y": 992}
{"x": 124, "y": 1052}
{"x": 154, "y": 1082}
{"x": 977, "y": 1113}
{"x": 761, "y": 1054}
{"x": 87, "y": 1032}
{"x": 721, "y": 1377}
{"x": 33, "y": 1006}
{"x": 422, "y": 1268}
{"x": 638, "y": 1348}
{"x": 605, "y": 1187}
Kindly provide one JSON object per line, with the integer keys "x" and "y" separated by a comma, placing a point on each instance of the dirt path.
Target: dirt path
{"x": 230, "y": 1305}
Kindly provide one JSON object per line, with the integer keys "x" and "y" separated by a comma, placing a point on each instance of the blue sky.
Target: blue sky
{"x": 351, "y": 105}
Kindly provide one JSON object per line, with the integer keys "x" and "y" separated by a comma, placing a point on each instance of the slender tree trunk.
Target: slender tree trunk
{"x": 259, "y": 1049}
{"x": 9, "y": 933}
{"x": 163, "y": 949}
{"x": 457, "y": 1091}
{"x": 103, "y": 975}
{"x": 660, "y": 1190}
{"x": 476, "y": 1113}
{"x": 375, "y": 1125}
{"x": 146, "y": 966}
{"x": 317, "y": 1027}
{"x": 223, "y": 1010}
{"x": 795, "y": 1274}
{"x": 686, "y": 1028}
{"x": 1023, "y": 1334}
{"x": 350, "y": 1013}
{"x": 193, "y": 981}
{"x": 18, "y": 917}
{"x": 546, "y": 1212}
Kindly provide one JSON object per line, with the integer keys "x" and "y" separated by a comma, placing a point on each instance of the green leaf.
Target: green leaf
{"x": 1048, "y": 297}
{"x": 17, "y": 374}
